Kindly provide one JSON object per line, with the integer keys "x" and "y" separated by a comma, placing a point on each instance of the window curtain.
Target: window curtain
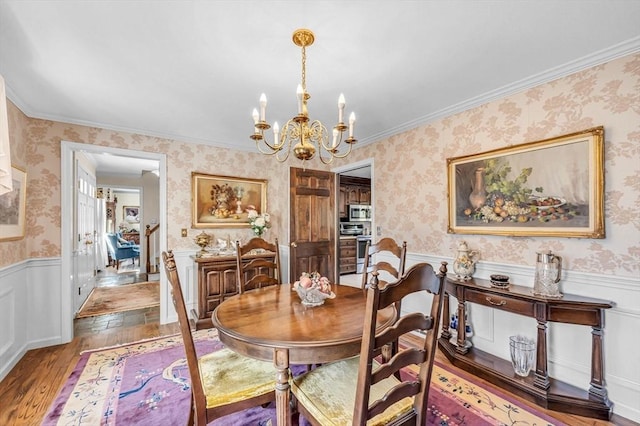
{"x": 6, "y": 183}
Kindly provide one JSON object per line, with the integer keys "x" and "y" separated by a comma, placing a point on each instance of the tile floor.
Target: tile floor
{"x": 352, "y": 280}
{"x": 127, "y": 274}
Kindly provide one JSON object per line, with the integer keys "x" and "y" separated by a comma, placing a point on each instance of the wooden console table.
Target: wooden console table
{"x": 217, "y": 281}
{"x": 539, "y": 387}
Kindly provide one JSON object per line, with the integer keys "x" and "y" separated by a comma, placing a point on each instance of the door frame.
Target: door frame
{"x": 66, "y": 226}
{"x": 352, "y": 166}
{"x": 338, "y": 171}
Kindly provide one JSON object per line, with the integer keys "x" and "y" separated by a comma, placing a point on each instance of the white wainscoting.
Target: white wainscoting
{"x": 30, "y": 309}
{"x": 188, "y": 274}
{"x": 31, "y": 317}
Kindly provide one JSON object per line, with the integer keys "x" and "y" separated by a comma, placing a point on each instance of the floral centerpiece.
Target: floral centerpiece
{"x": 259, "y": 222}
{"x": 313, "y": 289}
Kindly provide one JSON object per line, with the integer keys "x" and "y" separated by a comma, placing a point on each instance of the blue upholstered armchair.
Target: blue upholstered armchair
{"x": 120, "y": 249}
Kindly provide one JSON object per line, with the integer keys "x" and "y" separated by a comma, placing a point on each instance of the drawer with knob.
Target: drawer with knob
{"x": 500, "y": 301}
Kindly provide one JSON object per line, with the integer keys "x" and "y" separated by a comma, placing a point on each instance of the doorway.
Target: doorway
{"x": 69, "y": 150}
{"x": 360, "y": 170}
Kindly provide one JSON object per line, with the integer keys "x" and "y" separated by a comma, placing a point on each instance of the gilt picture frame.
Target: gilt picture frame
{"x": 223, "y": 201}
{"x": 13, "y": 207}
{"x": 553, "y": 188}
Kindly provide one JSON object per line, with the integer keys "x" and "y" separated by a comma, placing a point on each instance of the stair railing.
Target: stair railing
{"x": 150, "y": 231}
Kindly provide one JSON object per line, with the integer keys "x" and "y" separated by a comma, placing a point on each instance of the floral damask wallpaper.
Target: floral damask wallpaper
{"x": 410, "y": 180}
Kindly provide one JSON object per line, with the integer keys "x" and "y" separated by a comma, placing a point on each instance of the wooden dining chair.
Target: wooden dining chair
{"x": 390, "y": 246}
{"x": 360, "y": 390}
{"x": 259, "y": 271}
{"x": 222, "y": 382}
{"x": 390, "y": 273}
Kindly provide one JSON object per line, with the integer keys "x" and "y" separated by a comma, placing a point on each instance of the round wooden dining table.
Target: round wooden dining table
{"x": 272, "y": 324}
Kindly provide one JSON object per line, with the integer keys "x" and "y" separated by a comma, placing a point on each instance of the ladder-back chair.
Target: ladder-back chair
{"x": 361, "y": 391}
{"x": 222, "y": 382}
{"x": 261, "y": 271}
{"x": 388, "y": 245}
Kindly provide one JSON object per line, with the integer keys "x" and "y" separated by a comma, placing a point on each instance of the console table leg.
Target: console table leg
{"x": 445, "y": 317}
{"x": 462, "y": 335}
{"x": 541, "y": 379}
{"x": 597, "y": 387}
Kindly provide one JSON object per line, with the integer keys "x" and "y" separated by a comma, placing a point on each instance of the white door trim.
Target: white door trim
{"x": 66, "y": 228}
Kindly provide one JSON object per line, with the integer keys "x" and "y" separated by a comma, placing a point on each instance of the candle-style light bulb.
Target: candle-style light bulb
{"x": 299, "y": 94}
{"x": 335, "y": 138}
{"x": 255, "y": 116}
{"x": 263, "y": 107}
{"x": 340, "y": 108}
{"x": 276, "y": 130}
{"x": 352, "y": 120}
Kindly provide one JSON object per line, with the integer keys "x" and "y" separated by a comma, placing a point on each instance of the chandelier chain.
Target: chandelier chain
{"x": 304, "y": 69}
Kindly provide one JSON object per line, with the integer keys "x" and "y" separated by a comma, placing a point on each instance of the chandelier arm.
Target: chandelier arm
{"x": 287, "y": 151}
{"x": 274, "y": 148}
{"x": 336, "y": 155}
{"x": 318, "y": 134}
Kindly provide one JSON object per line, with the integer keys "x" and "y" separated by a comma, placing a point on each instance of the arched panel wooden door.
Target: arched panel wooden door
{"x": 312, "y": 223}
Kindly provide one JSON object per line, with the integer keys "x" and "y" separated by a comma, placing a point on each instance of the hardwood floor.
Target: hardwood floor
{"x": 30, "y": 388}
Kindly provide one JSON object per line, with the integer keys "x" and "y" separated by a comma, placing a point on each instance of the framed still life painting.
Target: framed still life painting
{"x": 553, "y": 187}
{"x": 224, "y": 201}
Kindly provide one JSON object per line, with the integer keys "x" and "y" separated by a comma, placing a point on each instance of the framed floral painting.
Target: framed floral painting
{"x": 13, "y": 207}
{"x": 225, "y": 201}
{"x": 553, "y": 187}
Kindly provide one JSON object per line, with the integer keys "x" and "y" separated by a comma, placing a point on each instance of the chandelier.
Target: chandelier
{"x": 305, "y": 136}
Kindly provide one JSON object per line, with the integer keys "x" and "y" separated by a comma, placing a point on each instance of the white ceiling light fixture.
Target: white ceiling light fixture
{"x": 305, "y": 137}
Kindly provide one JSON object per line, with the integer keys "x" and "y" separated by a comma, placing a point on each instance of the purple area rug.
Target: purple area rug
{"x": 147, "y": 383}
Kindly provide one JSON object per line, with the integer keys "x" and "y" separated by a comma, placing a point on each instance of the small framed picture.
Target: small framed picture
{"x": 131, "y": 214}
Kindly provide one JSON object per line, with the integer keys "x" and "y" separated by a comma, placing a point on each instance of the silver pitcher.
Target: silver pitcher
{"x": 548, "y": 269}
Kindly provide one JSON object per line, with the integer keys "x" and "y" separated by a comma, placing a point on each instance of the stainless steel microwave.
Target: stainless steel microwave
{"x": 359, "y": 212}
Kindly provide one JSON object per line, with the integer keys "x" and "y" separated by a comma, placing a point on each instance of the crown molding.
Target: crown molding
{"x": 625, "y": 48}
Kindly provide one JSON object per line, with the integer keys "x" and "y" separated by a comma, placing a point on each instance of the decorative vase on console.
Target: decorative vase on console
{"x": 465, "y": 263}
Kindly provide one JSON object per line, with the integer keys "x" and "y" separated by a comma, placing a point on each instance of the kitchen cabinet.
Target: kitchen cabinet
{"x": 353, "y": 190}
{"x": 217, "y": 281}
{"x": 348, "y": 260}
{"x": 342, "y": 201}
{"x": 365, "y": 195}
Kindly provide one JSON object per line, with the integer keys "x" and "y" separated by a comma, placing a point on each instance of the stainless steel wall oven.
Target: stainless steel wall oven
{"x": 361, "y": 249}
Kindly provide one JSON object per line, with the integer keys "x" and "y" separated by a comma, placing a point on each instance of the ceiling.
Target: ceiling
{"x": 194, "y": 70}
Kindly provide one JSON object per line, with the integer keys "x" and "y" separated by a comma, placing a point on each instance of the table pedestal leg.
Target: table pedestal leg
{"x": 283, "y": 392}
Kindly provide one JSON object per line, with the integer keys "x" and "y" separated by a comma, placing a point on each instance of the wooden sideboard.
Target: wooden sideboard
{"x": 537, "y": 387}
{"x": 134, "y": 237}
{"x": 217, "y": 281}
